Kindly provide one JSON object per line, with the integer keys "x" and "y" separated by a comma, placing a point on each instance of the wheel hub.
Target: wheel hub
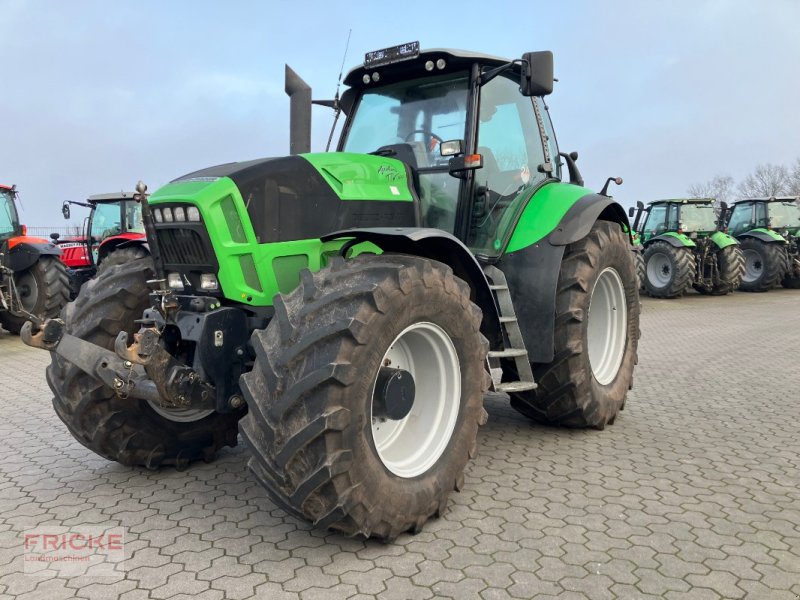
{"x": 608, "y": 326}
{"x": 753, "y": 265}
{"x": 426, "y": 402}
{"x": 659, "y": 270}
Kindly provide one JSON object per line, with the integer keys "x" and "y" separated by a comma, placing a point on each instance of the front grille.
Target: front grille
{"x": 184, "y": 246}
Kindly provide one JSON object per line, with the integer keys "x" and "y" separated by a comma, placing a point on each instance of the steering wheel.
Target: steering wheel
{"x": 423, "y": 132}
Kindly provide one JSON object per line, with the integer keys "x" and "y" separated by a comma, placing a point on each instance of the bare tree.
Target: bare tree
{"x": 793, "y": 189}
{"x": 765, "y": 181}
{"x": 719, "y": 187}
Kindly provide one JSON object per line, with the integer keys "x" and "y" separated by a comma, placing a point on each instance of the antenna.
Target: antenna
{"x": 337, "y": 109}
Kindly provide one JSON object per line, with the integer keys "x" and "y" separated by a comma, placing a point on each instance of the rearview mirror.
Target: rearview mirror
{"x": 537, "y": 73}
{"x": 631, "y": 212}
{"x": 65, "y": 210}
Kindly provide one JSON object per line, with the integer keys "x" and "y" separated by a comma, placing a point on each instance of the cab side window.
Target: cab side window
{"x": 761, "y": 215}
{"x": 741, "y": 218}
{"x": 656, "y": 221}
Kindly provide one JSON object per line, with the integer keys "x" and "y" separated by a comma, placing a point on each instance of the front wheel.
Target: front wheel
{"x": 596, "y": 335}
{"x": 366, "y": 394}
{"x": 42, "y": 290}
{"x": 764, "y": 264}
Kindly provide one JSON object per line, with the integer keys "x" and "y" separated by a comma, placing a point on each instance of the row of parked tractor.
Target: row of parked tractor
{"x": 684, "y": 244}
{"x": 39, "y": 276}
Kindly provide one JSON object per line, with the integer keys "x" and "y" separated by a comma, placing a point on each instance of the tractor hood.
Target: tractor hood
{"x": 308, "y": 195}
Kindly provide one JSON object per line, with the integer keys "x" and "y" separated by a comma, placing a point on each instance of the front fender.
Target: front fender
{"x": 723, "y": 240}
{"x": 582, "y": 215}
{"x": 436, "y": 245}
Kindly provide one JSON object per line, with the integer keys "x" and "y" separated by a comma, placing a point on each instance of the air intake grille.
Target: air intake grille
{"x": 183, "y": 246}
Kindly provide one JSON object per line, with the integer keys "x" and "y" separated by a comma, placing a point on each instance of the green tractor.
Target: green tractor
{"x": 768, "y": 230}
{"x": 684, "y": 248}
{"x": 348, "y": 311}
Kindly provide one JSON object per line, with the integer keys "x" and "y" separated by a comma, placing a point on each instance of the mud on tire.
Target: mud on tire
{"x": 569, "y": 394}
{"x": 309, "y": 425}
{"x": 128, "y": 431}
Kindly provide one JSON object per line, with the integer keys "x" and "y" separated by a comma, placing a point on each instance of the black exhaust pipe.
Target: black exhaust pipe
{"x": 299, "y": 112}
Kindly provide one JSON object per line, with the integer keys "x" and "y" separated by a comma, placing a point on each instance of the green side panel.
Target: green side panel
{"x": 722, "y": 240}
{"x": 362, "y": 176}
{"x": 775, "y": 236}
{"x": 249, "y": 272}
{"x": 543, "y": 213}
{"x": 684, "y": 239}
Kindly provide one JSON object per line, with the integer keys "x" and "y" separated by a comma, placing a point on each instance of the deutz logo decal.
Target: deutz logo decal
{"x": 390, "y": 173}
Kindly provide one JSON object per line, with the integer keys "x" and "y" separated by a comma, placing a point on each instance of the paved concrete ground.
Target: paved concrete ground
{"x": 693, "y": 493}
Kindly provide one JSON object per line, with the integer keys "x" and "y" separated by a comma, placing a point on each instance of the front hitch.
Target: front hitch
{"x": 174, "y": 380}
{"x": 124, "y": 377}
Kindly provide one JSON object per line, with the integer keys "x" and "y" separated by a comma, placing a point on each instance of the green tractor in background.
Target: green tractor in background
{"x": 348, "y": 311}
{"x": 768, "y": 231}
{"x": 684, "y": 248}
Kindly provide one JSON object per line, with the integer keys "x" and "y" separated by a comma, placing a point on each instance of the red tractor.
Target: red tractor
{"x": 33, "y": 281}
{"x": 112, "y": 234}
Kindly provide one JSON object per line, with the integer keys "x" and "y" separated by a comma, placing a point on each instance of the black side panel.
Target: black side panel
{"x": 532, "y": 275}
{"x": 23, "y": 256}
{"x": 579, "y": 219}
{"x": 444, "y": 247}
{"x": 287, "y": 199}
{"x": 759, "y": 235}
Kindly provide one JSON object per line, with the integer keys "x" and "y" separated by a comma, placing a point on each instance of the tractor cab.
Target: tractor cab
{"x": 777, "y": 214}
{"x": 692, "y": 217}
{"x": 473, "y": 130}
{"x": 9, "y": 221}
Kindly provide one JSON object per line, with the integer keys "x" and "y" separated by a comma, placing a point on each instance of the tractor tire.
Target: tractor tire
{"x": 122, "y": 256}
{"x": 44, "y": 290}
{"x": 129, "y": 431}
{"x": 792, "y": 278}
{"x": 730, "y": 261}
{"x": 765, "y": 264}
{"x": 586, "y": 384}
{"x": 638, "y": 259}
{"x": 669, "y": 270}
{"x": 317, "y": 445}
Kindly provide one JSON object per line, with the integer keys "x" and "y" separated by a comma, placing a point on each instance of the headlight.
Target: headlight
{"x": 157, "y": 215}
{"x": 167, "y": 215}
{"x": 208, "y": 281}
{"x": 174, "y": 281}
{"x": 180, "y": 214}
{"x": 193, "y": 213}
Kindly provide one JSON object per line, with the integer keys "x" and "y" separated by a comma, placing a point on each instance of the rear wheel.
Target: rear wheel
{"x": 669, "y": 270}
{"x": 43, "y": 291}
{"x": 596, "y": 336}
{"x": 131, "y": 432}
{"x": 730, "y": 262}
{"x": 121, "y": 256}
{"x": 764, "y": 264}
{"x": 366, "y": 394}
{"x": 792, "y": 278}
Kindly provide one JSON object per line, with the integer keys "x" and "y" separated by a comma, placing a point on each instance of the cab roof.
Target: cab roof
{"x": 455, "y": 60}
{"x": 111, "y": 197}
{"x": 771, "y": 199}
{"x": 683, "y": 201}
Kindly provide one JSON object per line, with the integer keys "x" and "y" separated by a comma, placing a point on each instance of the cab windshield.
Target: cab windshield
{"x": 413, "y": 118}
{"x": 8, "y": 215}
{"x": 698, "y": 217}
{"x": 784, "y": 215}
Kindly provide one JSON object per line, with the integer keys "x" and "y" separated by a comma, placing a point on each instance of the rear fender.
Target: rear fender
{"x": 443, "y": 247}
{"x": 765, "y": 235}
{"x": 679, "y": 240}
{"x": 723, "y": 240}
{"x": 23, "y": 255}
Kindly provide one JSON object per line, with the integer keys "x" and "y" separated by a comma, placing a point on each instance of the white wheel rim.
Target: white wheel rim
{"x": 181, "y": 415}
{"x": 608, "y": 326}
{"x": 659, "y": 270}
{"x": 28, "y": 291}
{"x": 410, "y": 446}
{"x": 753, "y": 265}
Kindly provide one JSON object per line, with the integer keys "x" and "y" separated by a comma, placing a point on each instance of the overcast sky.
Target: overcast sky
{"x": 99, "y": 94}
